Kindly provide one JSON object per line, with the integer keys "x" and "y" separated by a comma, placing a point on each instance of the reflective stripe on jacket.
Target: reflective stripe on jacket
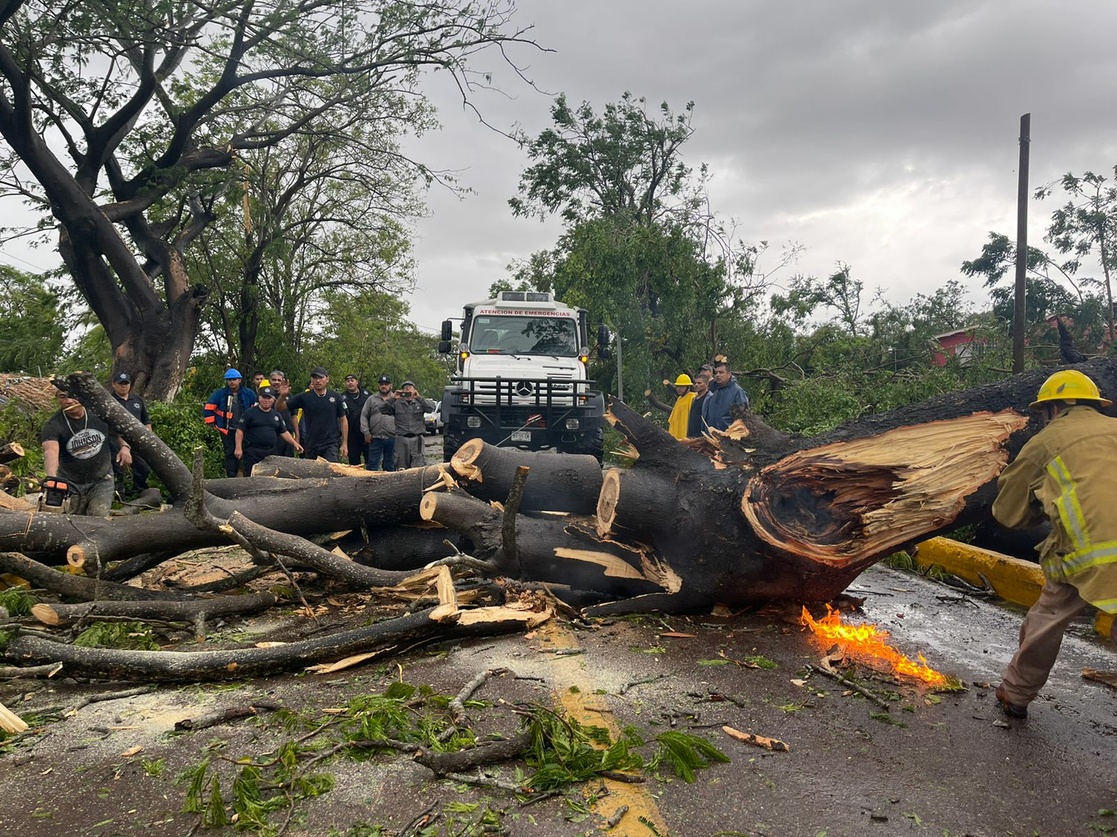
{"x": 216, "y": 411}
{"x": 1068, "y": 473}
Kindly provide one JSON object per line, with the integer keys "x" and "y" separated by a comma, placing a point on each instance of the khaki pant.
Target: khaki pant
{"x": 409, "y": 452}
{"x": 1041, "y": 635}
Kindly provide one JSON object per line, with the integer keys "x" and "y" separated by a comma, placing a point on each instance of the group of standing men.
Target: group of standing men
{"x": 384, "y": 428}
{"x": 704, "y": 401}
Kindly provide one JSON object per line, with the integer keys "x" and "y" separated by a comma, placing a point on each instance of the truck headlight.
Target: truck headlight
{"x": 473, "y": 421}
{"x": 573, "y": 424}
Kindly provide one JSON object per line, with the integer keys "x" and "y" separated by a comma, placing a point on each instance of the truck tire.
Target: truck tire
{"x": 592, "y": 444}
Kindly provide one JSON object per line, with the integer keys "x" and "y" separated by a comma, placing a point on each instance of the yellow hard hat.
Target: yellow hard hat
{"x": 1069, "y": 385}
{"x": 684, "y": 380}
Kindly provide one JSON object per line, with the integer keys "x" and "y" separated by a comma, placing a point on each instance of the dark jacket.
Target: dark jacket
{"x": 715, "y": 407}
{"x": 695, "y": 425}
{"x": 220, "y": 410}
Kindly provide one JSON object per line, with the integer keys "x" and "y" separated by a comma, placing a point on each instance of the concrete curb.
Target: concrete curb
{"x": 1013, "y": 579}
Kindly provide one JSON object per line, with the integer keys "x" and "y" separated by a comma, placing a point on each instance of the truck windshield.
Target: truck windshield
{"x": 503, "y": 335}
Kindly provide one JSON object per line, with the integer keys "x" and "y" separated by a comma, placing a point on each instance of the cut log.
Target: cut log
{"x": 10, "y": 452}
{"x": 183, "y": 610}
{"x": 559, "y": 482}
{"x": 180, "y": 666}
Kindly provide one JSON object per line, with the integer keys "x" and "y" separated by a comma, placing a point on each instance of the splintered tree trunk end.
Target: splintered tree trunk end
{"x": 842, "y": 503}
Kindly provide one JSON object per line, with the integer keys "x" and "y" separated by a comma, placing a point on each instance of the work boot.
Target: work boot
{"x": 1013, "y": 710}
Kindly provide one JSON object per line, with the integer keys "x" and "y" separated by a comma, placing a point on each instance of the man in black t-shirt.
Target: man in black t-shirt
{"x": 122, "y": 392}
{"x": 76, "y": 449}
{"x": 355, "y": 397}
{"x": 259, "y": 428}
{"x": 325, "y": 418}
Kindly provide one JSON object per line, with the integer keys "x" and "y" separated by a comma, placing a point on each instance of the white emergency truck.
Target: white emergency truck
{"x": 522, "y": 378}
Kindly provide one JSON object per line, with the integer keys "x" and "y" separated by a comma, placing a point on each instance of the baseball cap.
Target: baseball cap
{"x": 385, "y": 379}
{"x": 407, "y": 384}
{"x": 232, "y": 373}
{"x": 266, "y": 392}
{"x": 351, "y": 377}
{"x": 319, "y": 372}
{"x": 121, "y": 378}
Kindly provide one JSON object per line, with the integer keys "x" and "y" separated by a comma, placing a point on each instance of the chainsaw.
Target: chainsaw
{"x": 55, "y": 493}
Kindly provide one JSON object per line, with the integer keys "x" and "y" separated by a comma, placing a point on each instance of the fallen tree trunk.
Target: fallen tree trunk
{"x": 749, "y": 515}
{"x": 298, "y": 507}
{"x": 182, "y": 610}
{"x": 179, "y": 666}
{"x": 560, "y": 550}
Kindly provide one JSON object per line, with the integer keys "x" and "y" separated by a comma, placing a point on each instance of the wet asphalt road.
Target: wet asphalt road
{"x": 940, "y": 765}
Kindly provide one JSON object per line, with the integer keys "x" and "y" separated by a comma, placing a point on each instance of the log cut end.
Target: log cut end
{"x": 846, "y": 502}
{"x": 464, "y": 460}
{"x": 607, "y": 501}
{"x": 75, "y": 556}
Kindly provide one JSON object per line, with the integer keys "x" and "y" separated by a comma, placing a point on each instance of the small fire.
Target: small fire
{"x": 870, "y": 643}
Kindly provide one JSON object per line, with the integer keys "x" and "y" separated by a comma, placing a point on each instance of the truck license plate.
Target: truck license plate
{"x": 521, "y": 436}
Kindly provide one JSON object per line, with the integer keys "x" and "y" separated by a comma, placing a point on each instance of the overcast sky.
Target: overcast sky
{"x": 879, "y": 134}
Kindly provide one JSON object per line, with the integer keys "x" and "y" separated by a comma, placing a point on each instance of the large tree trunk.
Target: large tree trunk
{"x": 751, "y": 515}
{"x": 747, "y": 516}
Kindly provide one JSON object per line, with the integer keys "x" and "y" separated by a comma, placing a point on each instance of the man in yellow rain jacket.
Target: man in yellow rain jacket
{"x": 680, "y": 413}
{"x": 1066, "y": 473}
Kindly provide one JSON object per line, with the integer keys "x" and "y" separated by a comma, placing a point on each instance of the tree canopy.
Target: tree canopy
{"x": 126, "y": 124}
{"x": 639, "y": 250}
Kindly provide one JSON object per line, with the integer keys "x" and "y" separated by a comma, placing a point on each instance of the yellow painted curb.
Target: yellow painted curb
{"x": 581, "y": 703}
{"x": 1013, "y": 579}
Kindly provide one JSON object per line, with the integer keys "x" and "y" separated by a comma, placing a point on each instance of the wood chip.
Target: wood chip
{"x": 1109, "y": 678}
{"x": 348, "y": 662}
{"x": 10, "y": 721}
{"x": 773, "y": 744}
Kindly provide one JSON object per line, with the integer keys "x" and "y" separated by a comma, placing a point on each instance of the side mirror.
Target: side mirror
{"x": 447, "y": 331}
{"x": 604, "y": 338}
{"x": 444, "y": 347}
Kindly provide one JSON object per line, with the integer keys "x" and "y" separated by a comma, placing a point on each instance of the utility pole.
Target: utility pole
{"x": 620, "y": 373}
{"x": 1020, "y": 312}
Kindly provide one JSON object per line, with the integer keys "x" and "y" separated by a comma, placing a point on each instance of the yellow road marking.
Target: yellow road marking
{"x": 581, "y": 704}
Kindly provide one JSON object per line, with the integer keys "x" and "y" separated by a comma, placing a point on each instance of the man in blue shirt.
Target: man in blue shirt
{"x": 725, "y": 392}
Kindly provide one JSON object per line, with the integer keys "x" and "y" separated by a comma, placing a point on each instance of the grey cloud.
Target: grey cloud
{"x": 879, "y": 133}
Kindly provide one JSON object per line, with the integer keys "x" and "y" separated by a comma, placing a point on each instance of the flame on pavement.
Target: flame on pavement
{"x": 870, "y": 644}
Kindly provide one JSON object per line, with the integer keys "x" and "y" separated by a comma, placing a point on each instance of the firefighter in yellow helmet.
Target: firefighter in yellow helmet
{"x": 1067, "y": 474}
{"x": 680, "y": 412}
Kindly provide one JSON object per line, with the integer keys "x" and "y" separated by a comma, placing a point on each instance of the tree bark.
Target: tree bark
{"x": 763, "y": 516}
{"x": 567, "y": 483}
{"x": 179, "y": 666}
{"x": 182, "y": 610}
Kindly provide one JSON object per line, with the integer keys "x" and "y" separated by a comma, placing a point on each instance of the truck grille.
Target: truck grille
{"x": 523, "y": 391}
